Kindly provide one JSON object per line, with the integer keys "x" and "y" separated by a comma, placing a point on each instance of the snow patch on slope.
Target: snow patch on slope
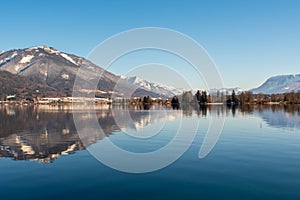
{"x": 68, "y": 58}
{"x": 65, "y": 76}
{"x": 26, "y": 59}
{"x": 9, "y": 58}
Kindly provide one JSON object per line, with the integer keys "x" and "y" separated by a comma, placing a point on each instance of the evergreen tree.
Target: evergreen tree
{"x": 203, "y": 97}
{"x": 198, "y": 96}
{"x": 233, "y": 97}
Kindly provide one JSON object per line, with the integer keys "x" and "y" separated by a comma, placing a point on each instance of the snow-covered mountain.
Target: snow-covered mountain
{"x": 170, "y": 91}
{"x": 58, "y": 70}
{"x": 46, "y": 65}
{"x": 279, "y": 84}
{"x": 161, "y": 89}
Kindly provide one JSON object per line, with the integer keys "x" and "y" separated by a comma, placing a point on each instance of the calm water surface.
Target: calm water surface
{"x": 257, "y": 154}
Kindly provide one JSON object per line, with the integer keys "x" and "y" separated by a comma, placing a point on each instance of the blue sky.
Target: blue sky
{"x": 248, "y": 40}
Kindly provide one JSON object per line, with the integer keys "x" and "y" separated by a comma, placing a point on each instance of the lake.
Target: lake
{"x": 60, "y": 153}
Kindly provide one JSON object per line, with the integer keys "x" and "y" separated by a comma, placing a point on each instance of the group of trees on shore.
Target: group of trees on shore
{"x": 288, "y": 98}
{"x": 246, "y": 97}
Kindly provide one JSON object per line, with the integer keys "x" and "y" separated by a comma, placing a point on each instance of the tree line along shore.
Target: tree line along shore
{"x": 245, "y": 97}
{"x": 201, "y": 97}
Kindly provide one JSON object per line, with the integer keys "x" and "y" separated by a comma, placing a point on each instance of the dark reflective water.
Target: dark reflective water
{"x": 257, "y": 154}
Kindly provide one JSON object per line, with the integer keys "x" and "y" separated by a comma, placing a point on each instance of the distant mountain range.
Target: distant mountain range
{"x": 279, "y": 84}
{"x": 45, "y": 71}
{"x": 52, "y": 73}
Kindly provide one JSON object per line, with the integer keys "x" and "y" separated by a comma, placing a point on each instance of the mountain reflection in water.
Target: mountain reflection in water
{"x": 44, "y": 133}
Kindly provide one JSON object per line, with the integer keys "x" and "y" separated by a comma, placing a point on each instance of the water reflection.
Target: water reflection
{"x": 44, "y": 133}
{"x": 34, "y": 134}
{"x": 287, "y": 116}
